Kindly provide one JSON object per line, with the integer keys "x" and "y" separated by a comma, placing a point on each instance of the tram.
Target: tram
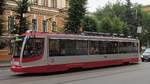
{"x": 46, "y": 53}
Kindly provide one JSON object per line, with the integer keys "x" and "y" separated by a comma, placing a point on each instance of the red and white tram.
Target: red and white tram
{"x": 44, "y": 53}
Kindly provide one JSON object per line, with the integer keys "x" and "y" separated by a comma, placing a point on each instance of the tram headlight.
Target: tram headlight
{"x": 16, "y": 63}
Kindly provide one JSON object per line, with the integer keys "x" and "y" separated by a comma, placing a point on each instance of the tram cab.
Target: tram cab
{"x": 37, "y": 52}
{"x": 28, "y": 51}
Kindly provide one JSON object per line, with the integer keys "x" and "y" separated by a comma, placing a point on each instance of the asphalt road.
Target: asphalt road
{"x": 128, "y": 74}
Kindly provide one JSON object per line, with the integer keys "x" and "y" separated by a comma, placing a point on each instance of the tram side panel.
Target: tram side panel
{"x": 87, "y": 61}
{"x": 64, "y": 54}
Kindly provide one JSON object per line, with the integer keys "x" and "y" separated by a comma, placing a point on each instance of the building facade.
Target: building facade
{"x": 43, "y": 15}
{"x": 146, "y": 8}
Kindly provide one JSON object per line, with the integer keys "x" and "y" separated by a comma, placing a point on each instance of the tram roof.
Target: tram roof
{"x": 81, "y": 37}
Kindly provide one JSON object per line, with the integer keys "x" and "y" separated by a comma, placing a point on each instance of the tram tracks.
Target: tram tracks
{"x": 75, "y": 76}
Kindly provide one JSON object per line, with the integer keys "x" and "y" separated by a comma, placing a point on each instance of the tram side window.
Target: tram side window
{"x": 128, "y": 47}
{"x": 135, "y": 47}
{"x": 111, "y": 47}
{"x": 123, "y": 47}
{"x": 93, "y": 47}
{"x": 54, "y": 48}
{"x": 62, "y": 47}
{"x": 74, "y": 47}
{"x": 67, "y": 47}
{"x": 81, "y": 47}
{"x": 102, "y": 47}
{"x": 115, "y": 47}
{"x": 70, "y": 47}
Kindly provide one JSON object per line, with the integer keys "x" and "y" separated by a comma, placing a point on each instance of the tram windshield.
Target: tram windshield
{"x": 33, "y": 47}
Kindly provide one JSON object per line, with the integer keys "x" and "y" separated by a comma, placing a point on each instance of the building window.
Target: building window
{"x": 54, "y": 3}
{"x": 35, "y": 23}
{"x": 54, "y": 28}
{"x": 54, "y": 24}
{"x": 44, "y": 26}
{"x": 67, "y": 3}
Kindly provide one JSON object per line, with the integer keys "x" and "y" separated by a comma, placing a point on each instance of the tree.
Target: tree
{"x": 112, "y": 25}
{"x": 124, "y": 18}
{"x": 110, "y": 18}
{"x": 76, "y": 13}
{"x": 2, "y": 4}
{"x": 131, "y": 18}
{"x": 89, "y": 24}
{"x": 145, "y": 35}
{"x": 21, "y": 10}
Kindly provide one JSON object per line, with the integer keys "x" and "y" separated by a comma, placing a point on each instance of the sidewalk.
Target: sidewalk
{"x": 4, "y": 58}
{"x": 4, "y": 64}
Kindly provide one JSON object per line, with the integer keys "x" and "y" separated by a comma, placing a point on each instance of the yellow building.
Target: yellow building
{"x": 146, "y": 8}
{"x": 52, "y": 11}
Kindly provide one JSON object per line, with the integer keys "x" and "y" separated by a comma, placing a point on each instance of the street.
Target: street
{"x": 128, "y": 74}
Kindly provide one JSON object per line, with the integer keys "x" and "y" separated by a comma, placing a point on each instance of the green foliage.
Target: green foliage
{"x": 112, "y": 25}
{"x": 89, "y": 24}
{"x": 22, "y": 6}
{"x": 110, "y": 18}
{"x": 144, "y": 37}
{"x": 124, "y": 18}
{"x": 130, "y": 17}
{"x": 76, "y": 13}
{"x": 21, "y": 9}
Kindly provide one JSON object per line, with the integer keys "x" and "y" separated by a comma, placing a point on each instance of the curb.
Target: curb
{"x": 5, "y": 64}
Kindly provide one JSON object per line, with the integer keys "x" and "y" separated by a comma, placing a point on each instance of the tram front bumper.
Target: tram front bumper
{"x": 16, "y": 69}
{"x": 38, "y": 69}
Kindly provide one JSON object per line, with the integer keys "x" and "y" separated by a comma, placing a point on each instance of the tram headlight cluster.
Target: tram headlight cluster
{"x": 16, "y": 63}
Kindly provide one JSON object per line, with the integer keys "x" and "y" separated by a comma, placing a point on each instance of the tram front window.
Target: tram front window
{"x": 33, "y": 47}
